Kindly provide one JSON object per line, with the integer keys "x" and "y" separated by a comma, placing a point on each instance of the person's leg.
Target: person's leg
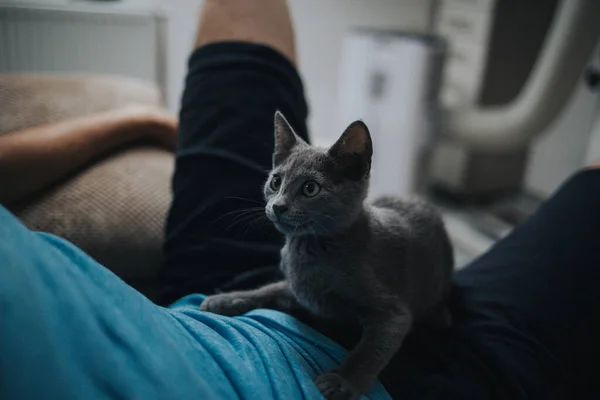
{"x": 241, "y": 73}
{"x": 532, "y": 300}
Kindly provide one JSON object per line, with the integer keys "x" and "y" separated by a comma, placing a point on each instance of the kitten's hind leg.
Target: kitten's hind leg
{"x": 276, "y": 296}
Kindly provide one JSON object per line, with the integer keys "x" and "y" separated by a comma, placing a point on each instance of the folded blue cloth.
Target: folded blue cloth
{"x": 70, "y": 329}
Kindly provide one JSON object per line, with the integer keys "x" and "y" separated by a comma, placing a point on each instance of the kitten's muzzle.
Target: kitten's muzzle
{"x": 280, "y": 209}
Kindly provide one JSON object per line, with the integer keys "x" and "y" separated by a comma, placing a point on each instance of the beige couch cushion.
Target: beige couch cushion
{"x": 28, "y": 100}
{"x": 115, "y": 209}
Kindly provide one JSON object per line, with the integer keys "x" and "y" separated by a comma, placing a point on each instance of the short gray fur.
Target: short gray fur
{"x": 383, "y": 264}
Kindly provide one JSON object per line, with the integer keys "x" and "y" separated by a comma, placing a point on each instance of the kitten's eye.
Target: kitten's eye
{"x": 311, "y": 189}
{"x": 275, "y": 183}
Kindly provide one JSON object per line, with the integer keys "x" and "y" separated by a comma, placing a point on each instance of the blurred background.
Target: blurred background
{"x": 484, "y": 106}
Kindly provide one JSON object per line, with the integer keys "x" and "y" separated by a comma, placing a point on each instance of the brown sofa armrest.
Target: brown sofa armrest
{"x": 28, "y": 100}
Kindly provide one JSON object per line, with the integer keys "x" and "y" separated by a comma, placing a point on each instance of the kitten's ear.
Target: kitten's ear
{"x": 285, "y": 139}
{"x": 353, "y": 151}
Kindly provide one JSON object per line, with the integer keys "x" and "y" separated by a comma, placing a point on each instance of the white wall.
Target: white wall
{"x": 561, "y": 149}
{"x": 593, "y": 152}
{"x": 568, "y": 144}
{"x": 183, "y": 19}
{"x": 320, "y": 26}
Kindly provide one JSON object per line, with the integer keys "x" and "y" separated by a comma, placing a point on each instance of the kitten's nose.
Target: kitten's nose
{"x": 279, "y": 209}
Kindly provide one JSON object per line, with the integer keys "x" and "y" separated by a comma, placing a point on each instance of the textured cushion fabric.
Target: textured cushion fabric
{"x": 70, "y": 329}
{"x": 28, "y": 100}
{"x": 114, "y": 209}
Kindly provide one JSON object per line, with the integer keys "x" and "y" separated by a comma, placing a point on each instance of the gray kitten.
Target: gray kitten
{"x": 383, "y": 265}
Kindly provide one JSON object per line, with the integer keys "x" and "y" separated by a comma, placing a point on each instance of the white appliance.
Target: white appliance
{"x": 390, "y": 81}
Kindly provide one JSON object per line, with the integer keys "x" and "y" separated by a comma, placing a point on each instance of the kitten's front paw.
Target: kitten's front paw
{"x": 228, "y": 304}
{"x": 333, "y": 387}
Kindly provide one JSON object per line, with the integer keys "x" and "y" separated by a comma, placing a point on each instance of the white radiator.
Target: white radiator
{"x": 83, "y": 40}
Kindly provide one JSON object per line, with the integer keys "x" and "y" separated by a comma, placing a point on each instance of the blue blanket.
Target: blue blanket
{"x": 70, "y": 329}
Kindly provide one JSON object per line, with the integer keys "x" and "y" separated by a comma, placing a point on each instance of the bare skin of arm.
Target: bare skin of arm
{"x": 35, "y": 158}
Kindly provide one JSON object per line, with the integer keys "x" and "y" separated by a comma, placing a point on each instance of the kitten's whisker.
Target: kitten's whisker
{"x": 328, "y": 216}
{"x": 244, "y": 199}
{"x": 240, "y": 211}
{"x": 260, "y": 223}
{"x": 243, "y": 209}
{"x": 253, "y": 224}
{"x": 322, "y": 226}
{"x": 243, "y": 218}
{"x": 255, "y": 212}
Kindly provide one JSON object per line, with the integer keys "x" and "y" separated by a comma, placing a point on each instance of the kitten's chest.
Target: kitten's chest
{"x": 316, "y": 283}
